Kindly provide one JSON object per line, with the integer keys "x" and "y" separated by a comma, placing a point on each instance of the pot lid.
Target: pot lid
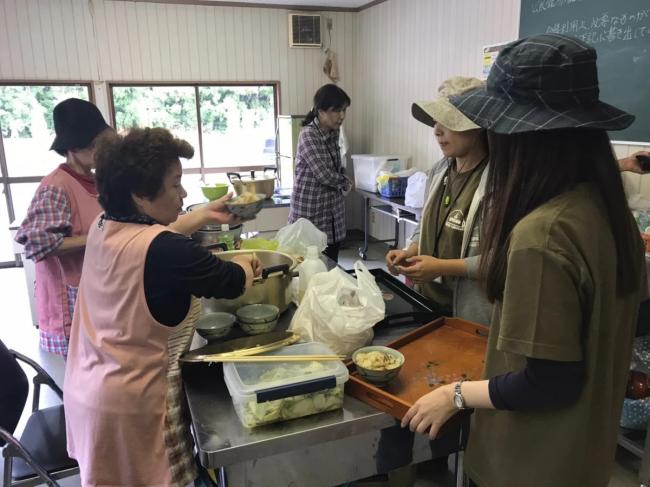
{"x": 242, "y": 347}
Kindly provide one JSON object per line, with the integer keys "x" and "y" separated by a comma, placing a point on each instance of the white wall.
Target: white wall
{"x": 390, "y": 55}
{"x": 406, "y": 48}
{"x": 104, "y": 40}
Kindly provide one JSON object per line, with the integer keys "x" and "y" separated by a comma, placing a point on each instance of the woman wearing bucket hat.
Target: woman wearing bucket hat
{"x": 59, "y": 216}
{"x": 562, "y": 261}
{"x": 320, "y": 183}
{"x": 442, "y": 257}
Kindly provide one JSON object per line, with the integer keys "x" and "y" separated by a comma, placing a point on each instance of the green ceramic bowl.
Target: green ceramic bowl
{"x": 213, "y": 326}
{"x": 215, "y": 191}
{"x": 257, "y": 328}
{"x": 379, "y": 378}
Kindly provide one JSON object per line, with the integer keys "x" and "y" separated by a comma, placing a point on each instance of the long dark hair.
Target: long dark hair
{"x": 328, "y": 97}
{"x": 527, "y": 170}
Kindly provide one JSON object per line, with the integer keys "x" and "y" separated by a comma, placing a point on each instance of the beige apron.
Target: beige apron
{"x": 125, "y": 415}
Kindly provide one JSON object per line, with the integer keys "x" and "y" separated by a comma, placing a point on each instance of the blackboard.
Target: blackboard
{"x": 620, "y": 32}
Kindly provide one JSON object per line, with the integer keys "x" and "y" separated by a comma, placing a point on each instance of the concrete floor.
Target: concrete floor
{"x": 17, "y": 333}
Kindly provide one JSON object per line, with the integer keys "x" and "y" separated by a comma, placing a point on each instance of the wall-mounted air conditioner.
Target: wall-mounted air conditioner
{"x": 304, "y": 30}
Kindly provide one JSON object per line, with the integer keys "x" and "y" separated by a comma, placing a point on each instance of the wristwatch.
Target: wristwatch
{"x": 459, "y": 400}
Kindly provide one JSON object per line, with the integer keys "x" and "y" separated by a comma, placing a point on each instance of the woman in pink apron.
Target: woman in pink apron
{"x": 57, "y": 222}
{"x": 136, "y": 309}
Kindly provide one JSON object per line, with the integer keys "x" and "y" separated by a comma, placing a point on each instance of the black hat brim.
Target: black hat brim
{"x": 421, "y": 116}
{"x": 502, "y": 115}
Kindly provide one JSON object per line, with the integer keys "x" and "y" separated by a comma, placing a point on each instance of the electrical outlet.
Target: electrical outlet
{"x": 328, "y": 23}
{"x": 372, "y": 217}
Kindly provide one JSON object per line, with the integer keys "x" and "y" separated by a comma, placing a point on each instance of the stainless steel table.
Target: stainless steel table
{"x": 320, "y": 450}
{"x": 393, "y": 207}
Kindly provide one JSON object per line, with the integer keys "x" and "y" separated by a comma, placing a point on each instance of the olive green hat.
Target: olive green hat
{"x": 440, "y": 110}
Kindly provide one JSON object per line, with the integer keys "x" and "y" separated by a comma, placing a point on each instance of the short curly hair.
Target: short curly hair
{"x": 135, "y": 164}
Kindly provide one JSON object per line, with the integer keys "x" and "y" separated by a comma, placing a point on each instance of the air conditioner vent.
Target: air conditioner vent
{"x": 304, "y": 30}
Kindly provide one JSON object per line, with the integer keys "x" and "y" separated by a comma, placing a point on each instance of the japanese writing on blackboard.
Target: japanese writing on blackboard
{"x": 543, "y": 5}
{"x": 606, "y": 27}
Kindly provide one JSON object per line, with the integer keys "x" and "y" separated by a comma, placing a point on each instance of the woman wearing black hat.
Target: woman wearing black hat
{"x": 59, "y": 216}
{"x": 563, "y": 262}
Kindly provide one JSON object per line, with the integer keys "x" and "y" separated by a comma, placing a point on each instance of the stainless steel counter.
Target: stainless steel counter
{"x": 291, "y": 453}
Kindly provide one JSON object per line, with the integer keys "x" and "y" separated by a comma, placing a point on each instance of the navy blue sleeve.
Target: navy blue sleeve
{"x": 542, "y": 384}
{"x": 177, "y": 268}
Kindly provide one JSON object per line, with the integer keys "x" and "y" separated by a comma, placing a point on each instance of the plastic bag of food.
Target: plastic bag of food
{"x": 340, "y": 310}
{"x": 296, "y": 237}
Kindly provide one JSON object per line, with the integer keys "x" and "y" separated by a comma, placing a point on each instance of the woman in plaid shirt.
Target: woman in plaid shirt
{"x": 59, "y": 216}
{"x": 320, "y": 185}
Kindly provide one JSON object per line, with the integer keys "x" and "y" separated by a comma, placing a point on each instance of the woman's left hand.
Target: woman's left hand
{"x": 217, "y": 212}
{"x": 431, "y": 411}
{"x": 632, "y": 164}
{"x": 421, "y": 268}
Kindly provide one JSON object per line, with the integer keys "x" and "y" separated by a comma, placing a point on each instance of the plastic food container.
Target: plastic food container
{"x": 268, "y": 392}
{"x": 367, "y": 167}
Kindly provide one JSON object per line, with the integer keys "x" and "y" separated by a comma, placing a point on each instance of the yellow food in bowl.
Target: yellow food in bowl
{"x": 245, "y": 199}
{"x": 377, "y": 361}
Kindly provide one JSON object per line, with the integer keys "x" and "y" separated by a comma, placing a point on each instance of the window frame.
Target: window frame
{"x": 5, "y": 179}
{"x": 196, "y": 85}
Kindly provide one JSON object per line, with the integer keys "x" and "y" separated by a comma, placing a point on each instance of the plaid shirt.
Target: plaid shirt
{"x": 319, "y": 182}
{"x": 48, "y": 220}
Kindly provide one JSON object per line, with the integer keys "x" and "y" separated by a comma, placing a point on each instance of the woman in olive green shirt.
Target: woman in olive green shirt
{"x": 563, "y": 262}
{"x": 442, "y": 258}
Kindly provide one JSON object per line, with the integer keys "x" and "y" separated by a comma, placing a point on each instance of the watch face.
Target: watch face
{"x": 458, "y": 401}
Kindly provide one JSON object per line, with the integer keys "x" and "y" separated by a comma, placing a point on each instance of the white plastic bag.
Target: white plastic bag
{"x": 296, "y": 237}
{"x": 339, "y": 310}
{"x": 416, "y": 190}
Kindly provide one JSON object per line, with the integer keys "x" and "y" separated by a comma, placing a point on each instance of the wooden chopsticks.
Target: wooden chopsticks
{"x": 278, "y": 358}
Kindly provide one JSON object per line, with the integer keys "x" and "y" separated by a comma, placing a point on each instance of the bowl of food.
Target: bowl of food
{"x": 378, "y": 365}
{"x": 213, "y": 326}
{"x": 246, "y": 205}
{"x": 214, "y": 191}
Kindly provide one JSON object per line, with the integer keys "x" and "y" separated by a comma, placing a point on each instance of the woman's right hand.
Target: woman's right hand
{"x": 394, "y": 258}
{"x": 251, "y": 265}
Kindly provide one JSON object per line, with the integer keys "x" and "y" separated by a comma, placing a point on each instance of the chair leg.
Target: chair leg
{"x": 6, "y": 482}
{"x": 14, "y": 449}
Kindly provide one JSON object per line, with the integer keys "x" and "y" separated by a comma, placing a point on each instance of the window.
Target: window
{"x": 26, "y": 134}
{"x": 232, "y": 127}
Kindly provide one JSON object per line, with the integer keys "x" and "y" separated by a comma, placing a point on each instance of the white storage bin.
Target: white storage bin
{"x": 267, "y": 392}
{"x": 367, "y": 167}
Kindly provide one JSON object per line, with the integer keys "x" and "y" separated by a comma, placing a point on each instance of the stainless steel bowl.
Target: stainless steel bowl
{"x": 252, "y": 184}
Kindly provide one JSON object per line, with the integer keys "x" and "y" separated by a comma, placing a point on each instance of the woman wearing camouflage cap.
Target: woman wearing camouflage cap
{"x": 443, "y": 255}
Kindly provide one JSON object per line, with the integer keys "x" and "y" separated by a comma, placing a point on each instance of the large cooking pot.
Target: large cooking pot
{"x": 209, "y": 237}
{"x": 272, "y": 287}
{"x": 210, "y": 234}
{"x": 251, "y": 184}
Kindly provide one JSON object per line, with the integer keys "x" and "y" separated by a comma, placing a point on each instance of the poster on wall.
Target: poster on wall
{"x": 490, "y": 54}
